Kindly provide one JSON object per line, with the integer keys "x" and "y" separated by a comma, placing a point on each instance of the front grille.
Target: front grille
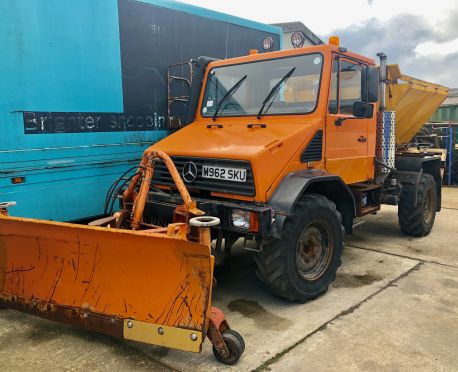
{"x": 163, "y": 177}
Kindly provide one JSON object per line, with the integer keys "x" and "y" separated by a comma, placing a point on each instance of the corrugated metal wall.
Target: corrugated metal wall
{"x": 446, "y": 113}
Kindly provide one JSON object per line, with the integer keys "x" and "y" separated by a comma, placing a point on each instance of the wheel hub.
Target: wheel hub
{"x": 314, "y": 248}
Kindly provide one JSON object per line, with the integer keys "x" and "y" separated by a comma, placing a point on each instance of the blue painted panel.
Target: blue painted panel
{"x": 69, "y": 192}
{"x": 52, "y": 61}
{"x": 66, "y": 183}
{"x": 64, "y": 54}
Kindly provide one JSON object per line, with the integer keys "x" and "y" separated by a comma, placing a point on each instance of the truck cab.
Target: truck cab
{"x": 277, "y": 136}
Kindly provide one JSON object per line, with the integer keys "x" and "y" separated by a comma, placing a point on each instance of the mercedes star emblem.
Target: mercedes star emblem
{"x": 189, "y": 172}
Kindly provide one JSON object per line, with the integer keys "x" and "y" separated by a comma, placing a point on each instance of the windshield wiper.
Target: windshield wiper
{"x": 273, "y": 92}
{"x": 229, "y": 93}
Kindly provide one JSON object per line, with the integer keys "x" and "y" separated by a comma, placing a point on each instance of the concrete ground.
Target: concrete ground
{"x": 450, "y": 197}
{"x": 393, "y": 306}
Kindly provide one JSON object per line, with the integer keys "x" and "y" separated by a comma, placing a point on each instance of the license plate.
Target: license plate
{"x": 223, "y": 173}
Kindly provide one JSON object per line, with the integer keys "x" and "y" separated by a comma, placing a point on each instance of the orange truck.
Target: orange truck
{"x": 284, "y": 149}
{"x": 288, "y": 148}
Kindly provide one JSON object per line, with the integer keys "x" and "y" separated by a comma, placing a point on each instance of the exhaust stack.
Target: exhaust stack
{"x": 386, "y": 129}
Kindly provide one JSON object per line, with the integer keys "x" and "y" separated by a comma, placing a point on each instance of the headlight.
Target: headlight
{"x": 240, "y": 219}
{"x": 245, "y": 220}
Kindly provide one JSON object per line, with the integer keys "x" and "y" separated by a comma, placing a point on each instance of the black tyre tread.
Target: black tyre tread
{"x": 411, "y": 217}
{"x": 236, "y": 346}
{"x": 271, "y": 261}
{"x": 238, "y": 336}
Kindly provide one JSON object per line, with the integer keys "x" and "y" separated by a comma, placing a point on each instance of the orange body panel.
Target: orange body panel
{"x": 350, "y": 149}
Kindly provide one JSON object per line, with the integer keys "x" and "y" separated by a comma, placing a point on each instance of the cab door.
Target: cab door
{"x": 346, "y": 150}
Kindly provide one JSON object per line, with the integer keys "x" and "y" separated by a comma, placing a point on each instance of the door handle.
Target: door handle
{"x": 362, "y": 139}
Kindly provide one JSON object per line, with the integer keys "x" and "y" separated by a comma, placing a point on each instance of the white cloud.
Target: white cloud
{"x": 326, "y": 15}
{"x": 433, "y": 11}
{"x": 420, "y": 35}
{"x": 431, "y": 48}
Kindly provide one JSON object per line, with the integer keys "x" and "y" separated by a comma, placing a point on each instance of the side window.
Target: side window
{"x": 350, "y": 86}
{"x": 345, "y": 86}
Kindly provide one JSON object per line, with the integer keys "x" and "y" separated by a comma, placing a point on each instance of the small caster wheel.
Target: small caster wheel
{"x": 234, "y": 343}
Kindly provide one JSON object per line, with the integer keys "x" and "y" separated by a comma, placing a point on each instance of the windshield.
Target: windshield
{"x": 283, "y": 86}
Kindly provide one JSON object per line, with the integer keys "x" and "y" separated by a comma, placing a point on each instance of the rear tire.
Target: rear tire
{"x": 418, "y": 220}
{"x": 301, "y": 265}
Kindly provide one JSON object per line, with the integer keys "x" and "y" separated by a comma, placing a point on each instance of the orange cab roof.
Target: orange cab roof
{"x": 324, "y": 48}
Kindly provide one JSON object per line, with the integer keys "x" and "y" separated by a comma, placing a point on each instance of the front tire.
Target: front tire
{"x": 418, "y": 220}
{"x": 301, "y": 265}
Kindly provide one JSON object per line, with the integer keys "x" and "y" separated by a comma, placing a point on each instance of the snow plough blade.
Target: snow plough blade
{"x": 120, "y": 276}
{"x": 124, "y": 283}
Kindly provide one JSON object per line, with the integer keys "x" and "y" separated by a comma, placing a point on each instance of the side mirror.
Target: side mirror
{"x": 363, "y": 110}
{"x": 370, "y": 79}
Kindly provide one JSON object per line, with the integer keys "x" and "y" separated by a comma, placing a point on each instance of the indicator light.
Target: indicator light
{"x": 17, "y": 180}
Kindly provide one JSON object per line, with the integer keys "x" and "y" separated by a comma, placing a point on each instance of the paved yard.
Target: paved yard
{"x": 394, "y": 306}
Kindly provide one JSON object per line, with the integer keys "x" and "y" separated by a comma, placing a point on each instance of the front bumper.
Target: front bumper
{"x": 160, "y": 207}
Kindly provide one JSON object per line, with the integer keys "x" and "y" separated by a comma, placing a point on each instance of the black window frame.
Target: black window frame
{"x": 339, "y": 58}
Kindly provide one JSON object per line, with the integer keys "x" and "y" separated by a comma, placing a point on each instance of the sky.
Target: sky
{"x": 419, "y": 35}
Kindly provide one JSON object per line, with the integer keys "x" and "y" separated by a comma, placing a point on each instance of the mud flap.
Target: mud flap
{"x": 148, "y": 287}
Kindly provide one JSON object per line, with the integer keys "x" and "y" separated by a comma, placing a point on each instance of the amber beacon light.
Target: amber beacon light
{"x": 334, "y": 40}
